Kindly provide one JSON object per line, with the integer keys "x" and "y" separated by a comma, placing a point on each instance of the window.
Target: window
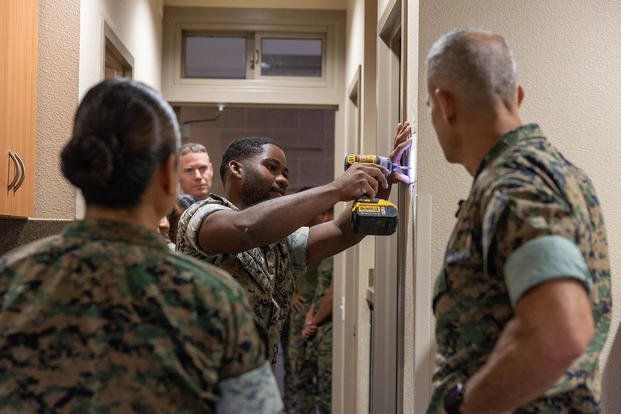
{"x": 213, "y": 55}
{"x": 291, "y": 57}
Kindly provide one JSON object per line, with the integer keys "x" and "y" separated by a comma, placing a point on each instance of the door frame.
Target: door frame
{"x": 388, "y": 369}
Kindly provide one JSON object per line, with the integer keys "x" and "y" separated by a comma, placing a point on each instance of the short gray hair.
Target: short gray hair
{"x": 192, "y": 147}
{"x": 477, "y": 62}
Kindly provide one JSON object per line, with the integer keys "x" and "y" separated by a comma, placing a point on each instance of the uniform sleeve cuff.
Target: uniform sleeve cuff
{"x": 194, "y": 225}
{"x": 253, "y": 392}
{"x": 542, "y": 259}
{"x": 298, "y": 245}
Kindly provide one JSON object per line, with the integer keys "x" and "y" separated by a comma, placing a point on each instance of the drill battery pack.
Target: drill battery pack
{"x": 374, "y": 216}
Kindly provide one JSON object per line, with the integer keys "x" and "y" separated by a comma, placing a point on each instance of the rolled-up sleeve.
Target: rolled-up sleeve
{"x": 531, "y": 235}
{"x": 298, "y": 246}
{"x": 542, "y": 259}
{"x": 194, "y": 225}
{"x": 254, "y": 392}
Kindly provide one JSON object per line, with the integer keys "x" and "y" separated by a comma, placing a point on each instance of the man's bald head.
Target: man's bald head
{"x": 476, "y": 64}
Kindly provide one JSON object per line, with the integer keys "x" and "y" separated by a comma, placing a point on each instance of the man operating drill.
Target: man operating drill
{"x": 256, "y": 231}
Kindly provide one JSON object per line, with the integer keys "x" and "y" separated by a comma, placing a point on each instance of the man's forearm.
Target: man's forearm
{"x": 552, "y": 327}
{"x": 274, "y": 219}
{"x": 228, "y": 231}
{"x": 514, "y": 374}
{"x": 327, "y": 239}
{"x": 335, "y": 236}
{"x": 324, "y": 310}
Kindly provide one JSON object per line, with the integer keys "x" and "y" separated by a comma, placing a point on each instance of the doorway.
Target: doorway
{"x": 306, "y": 135}
{"x": 118, "y": 61}
{"x": 387, "y": 352}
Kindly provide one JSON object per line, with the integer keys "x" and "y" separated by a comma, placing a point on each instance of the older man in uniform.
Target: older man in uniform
{"x": 196, "y": 171}
{"x": 522, "y": 302}
{"x": 256, "y": 233}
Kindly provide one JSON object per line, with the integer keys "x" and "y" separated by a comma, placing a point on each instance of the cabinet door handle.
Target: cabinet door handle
{"x": 23, "y": 173}
{"x": 17, "y": 171}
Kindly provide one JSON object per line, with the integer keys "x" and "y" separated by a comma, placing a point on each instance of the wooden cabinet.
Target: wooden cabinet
{"x": 19, "y": 25}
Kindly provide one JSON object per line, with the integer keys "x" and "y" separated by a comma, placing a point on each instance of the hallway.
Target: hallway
{"x": 370, "y": 74}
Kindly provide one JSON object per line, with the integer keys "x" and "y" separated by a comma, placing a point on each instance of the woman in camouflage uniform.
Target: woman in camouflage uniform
{"x": 103, "y": 317}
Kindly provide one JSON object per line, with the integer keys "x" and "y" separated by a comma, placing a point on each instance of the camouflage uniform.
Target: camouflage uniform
{"x": 321, "y": 345}
{"x": 267, "y": 273}
{"x": 105, "y": 318}
{"x": 531, "y": 216}
{"x": 298, "y": 383}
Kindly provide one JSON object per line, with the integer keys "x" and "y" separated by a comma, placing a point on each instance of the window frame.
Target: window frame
{"x": 327, "y": 25}
{"x": 259, "y": 36}
{"x": 249, "y": 36}
{"x": 254, "y": 52}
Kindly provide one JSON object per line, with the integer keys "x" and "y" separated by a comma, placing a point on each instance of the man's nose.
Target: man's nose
{"x": 282, "y": 181}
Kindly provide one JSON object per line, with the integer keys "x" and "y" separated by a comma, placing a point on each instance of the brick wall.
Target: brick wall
{"x": 306, "y": 135}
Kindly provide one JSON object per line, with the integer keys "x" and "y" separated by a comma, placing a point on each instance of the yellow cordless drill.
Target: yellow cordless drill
{"x": 374, "y": 216}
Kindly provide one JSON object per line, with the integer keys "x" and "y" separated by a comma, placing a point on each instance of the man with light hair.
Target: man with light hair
{"x": 522, "y": 302}
{"x": 196, "y": 171}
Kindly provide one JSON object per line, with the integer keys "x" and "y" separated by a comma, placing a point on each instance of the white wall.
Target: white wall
{"x": 354, "y": 34}
{"x": 137, "y": 23}
{"x": 568, "y": 61}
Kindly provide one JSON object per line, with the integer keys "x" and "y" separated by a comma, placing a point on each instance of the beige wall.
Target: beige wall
{"x": 137, "y": 23}
{"x": 71, "y": 53}
{"x": 59, "y": 37}
{"x": 568, "y": 62}
{"x": 138, "y": 26}
{"x": 354, "y": 34}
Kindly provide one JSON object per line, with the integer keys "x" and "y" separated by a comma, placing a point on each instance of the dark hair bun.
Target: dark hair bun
{"x": 122, "y": 132}
{"x": 88, "y": 161}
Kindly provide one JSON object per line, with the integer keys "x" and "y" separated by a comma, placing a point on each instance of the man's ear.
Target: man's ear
{"x": 236, "y": 169}
{"x": 446, "y": 102}
{"x": 520, "y": 95}
{"x": 169, "y": 175}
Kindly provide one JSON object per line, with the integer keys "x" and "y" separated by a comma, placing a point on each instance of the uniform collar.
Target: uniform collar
{"x": 508, "y": 140}
{"x": 220, "y": 200}
{"x": 115, "y": 231}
